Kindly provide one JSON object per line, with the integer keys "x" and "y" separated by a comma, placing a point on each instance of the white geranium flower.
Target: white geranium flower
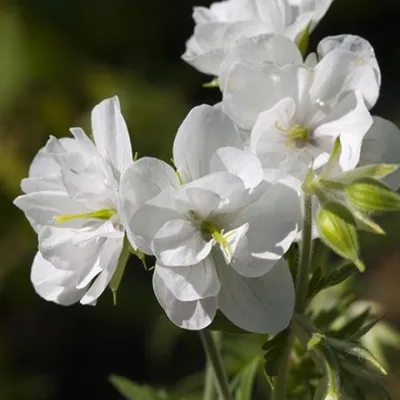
{"x": 381, "y": 145}
{"x": 73, "y": 202}
{"x": 295, "y": 113}
{"x": 220, "y": 26}
{"x": 220, "y": 235}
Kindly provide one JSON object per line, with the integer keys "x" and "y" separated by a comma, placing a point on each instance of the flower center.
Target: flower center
{"x": 210, "y": 230}
{"x": 103, "y": 214}
{"x": 298, "y": 135}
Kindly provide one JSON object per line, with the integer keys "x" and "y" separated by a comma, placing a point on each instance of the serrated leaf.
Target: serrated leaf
{"x": 352, "y": 326}
{"x": 365, "y": 329}
{"x": 132, "y": 391}
{"x": 245, "y": 388}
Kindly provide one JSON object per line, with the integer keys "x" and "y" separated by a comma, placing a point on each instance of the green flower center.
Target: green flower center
{"x": 210, "y": 230}
{"x": 298, "y": 135}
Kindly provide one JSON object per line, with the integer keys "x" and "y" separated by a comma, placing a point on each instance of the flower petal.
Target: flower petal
{"x": 180, "y": 243}
{"x": 261, "y": 305}
{"x": 342, "y": 72}
{"x": 107, "y": 262}
{"x": 150, "y": 218}
{"x": 267, "y": 48}
{"x": 53, "y": 284}
{"x": 141, "y": 182}
{"x": 192, "y": 315}
{"x": 201, "y": 134}
{"x": 381, "y": 144}
{"x": 40, "y": 208}
{"x": 238, "y": 162}
{"x": 351, "y": 121}
{"x": 111, "y": 134}
{"x": 194, "y": 282}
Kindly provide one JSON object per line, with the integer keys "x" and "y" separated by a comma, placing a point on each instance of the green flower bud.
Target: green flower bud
{"x": 372, "y": 197}
{"x": 337, "y": 227}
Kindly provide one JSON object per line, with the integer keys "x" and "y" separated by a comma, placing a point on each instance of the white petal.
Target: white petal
{"x": 194, "y": 282}
{"x": 341, "y": 72}
{"x": 108, "y": 261}
{"x": 111, "y": 134}
{"x": 141, "y": 182}
{"x": 321, "y": 8}
{"x": 208, "y": 62}
{"x": 63, "y": 249}
{"x": 382, "y": 145}
{"x": 202, "y": 201}
{"x": 251, "y": 89}
{"x": 238, "y": 162}
{"x": 351, "y": 121}
{"x": 204, "y": 131}
{"x": 224, "y": 184}
{"x": 268, "y": 48}
{"x": 267, "y": 135}
{"x": 295, "y": 31}
{"x": 53, "y": 284}
{"x": 353, "y": 44}
{"x": 274, "y": 221}
{"x": 40, "y": 208}
{"x": 261, "y": 305}
{"x": 236, "y": 243}
{"x": 180, "y": 243}
{"x": 150, "y": 218}
{"x": 192, "y": 315}
{"x": 50, "y": 183}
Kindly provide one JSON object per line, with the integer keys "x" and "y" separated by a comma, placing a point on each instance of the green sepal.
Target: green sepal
{"x": 303, "y": 39}
{"x": 212, "y": 84}
{"x": 374, "y": 171}
{"x": 337, "y": 227}
{"x": 370, "y": 196}
{"x": 119, "y": 271}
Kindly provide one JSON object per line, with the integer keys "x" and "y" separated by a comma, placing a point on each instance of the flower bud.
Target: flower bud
{"x": 372, "y": 197}
{"x": 337, "y": 227}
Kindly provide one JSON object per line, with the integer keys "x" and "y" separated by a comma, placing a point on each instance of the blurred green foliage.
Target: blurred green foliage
{"x": 58, "y": 59}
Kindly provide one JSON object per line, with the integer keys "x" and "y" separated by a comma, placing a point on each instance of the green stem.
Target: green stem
{"x": 209, "y": 384}
{"x": 303, "y": 276}
{"x": 218, "y": 368}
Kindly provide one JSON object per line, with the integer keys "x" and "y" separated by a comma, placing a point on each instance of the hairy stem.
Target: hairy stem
{"x": 303, "y": 276}
{"x": 220, "y": 377}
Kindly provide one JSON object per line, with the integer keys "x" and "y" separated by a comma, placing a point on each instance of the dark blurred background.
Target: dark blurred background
{"x": 58, "y": 58}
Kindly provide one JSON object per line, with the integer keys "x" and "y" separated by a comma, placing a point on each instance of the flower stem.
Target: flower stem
{"x": 215, "y": 360}
{"x": 209, "y": 384}
{"x": 303, "y": 276}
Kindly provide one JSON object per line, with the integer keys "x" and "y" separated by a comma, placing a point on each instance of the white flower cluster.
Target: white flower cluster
{"x": 220, "y": 222}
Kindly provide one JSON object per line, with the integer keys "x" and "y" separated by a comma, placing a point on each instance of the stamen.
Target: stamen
{"x": 103, "y": 214}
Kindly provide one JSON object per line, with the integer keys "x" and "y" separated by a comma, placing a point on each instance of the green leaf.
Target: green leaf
{"x": 352, "y": 326}
{"x": 245, "y": 388}
{"x": 365, "y": 329}
{"x": 132, "y": 391}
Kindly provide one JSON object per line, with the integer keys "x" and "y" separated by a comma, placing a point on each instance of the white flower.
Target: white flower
{"x": 381, "y": 145}
{"x": 295, "y": 113}
{"x": 350, "y": 59}
{"x": 219, "y": 237}
{"x": 225, "y": 22}
{"x": 72, "y": 201}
